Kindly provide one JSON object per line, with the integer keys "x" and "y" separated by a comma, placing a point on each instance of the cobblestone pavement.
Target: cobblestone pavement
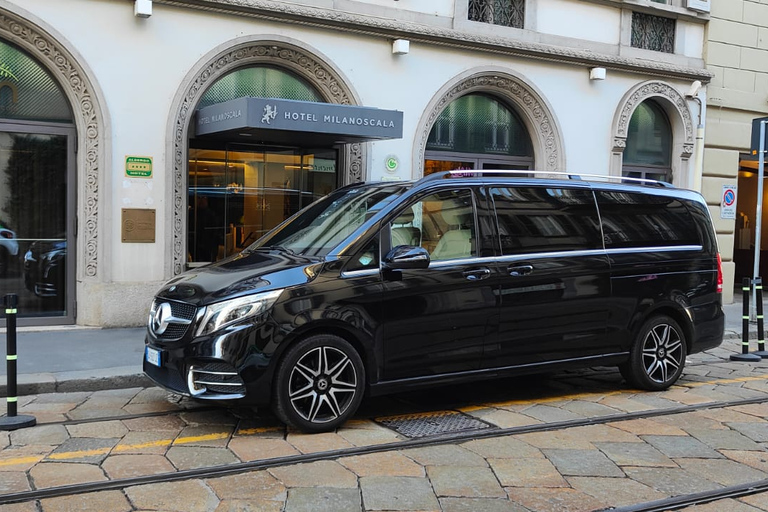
{"x": 129, "y": 433}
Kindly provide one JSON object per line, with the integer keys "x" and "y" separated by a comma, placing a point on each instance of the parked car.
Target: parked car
{"x": 9, "y": 248}
{"x": 44, "y": 268}
{"x": 491, "y": 274}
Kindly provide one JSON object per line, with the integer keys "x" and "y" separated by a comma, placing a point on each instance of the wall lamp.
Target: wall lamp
{"x": 142, "y": 8}
{"x": 597, "y": 74}
{"x": 401, "y": 46}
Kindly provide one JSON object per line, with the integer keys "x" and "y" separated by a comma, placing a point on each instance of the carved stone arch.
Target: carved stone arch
{"x": 58, "y": 56}
{"x": 680, "y": 118}
{"x": 271, "y": 50}
{"x": 526, "y": 100}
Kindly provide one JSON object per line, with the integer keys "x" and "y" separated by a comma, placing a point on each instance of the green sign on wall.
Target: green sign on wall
{"x": 138, "y": 166}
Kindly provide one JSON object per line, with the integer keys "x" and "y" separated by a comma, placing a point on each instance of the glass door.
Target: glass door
{"x": 238, "y": 194}
{"x": 37, "y": 216}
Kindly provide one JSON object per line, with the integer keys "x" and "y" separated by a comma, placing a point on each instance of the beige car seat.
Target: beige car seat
{"x": 405, "y": 235}
{"x": 455, "y": 243}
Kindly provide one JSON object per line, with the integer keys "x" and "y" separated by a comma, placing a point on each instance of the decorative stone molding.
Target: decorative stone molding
{"x": 337, "y": 20}
{"x": 319, "y": 74}
{"x": 654, "y": 89}
{"x": 78, "y": 89}
{"x": 535, "y": 114}
{"x": 680, "y": 117}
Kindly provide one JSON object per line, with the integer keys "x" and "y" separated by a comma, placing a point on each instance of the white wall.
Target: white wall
{"x": 580, "y": 20}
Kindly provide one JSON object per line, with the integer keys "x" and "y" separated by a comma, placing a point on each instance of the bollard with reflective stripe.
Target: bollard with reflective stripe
{"x": 745, "y": 355}
{"x": 12, "y": 421}
{"x": 760, "y": 323}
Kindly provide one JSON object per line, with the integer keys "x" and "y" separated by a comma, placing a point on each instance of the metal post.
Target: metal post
{"x": 745, "y": 355}
{"x": 759, "y": 209}
{"x": 12, "y": 421}
{"x": 760, "y": 324}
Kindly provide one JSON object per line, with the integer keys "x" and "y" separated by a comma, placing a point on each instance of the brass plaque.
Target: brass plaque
{"x": 138, "y": 226}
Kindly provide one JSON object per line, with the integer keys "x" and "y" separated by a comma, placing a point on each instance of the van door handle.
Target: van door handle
{"x": 477, "y": 274}
{"x": 520, "y": 270}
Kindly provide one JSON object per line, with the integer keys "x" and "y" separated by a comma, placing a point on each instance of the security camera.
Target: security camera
{"x": 693, "y": 91}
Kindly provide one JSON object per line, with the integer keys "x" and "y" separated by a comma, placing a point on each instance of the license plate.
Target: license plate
{"x": 152, "y": 356}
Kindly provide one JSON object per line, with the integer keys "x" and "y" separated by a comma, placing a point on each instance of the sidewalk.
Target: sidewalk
{"x": 66, "y": 359}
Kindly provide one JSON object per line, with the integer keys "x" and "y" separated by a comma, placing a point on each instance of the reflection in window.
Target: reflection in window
{"x": 650, "y": 220}
{"x": 533, "y": 219}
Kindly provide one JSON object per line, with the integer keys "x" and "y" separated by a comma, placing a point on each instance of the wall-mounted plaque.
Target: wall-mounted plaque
{"x": 138, "y": 226}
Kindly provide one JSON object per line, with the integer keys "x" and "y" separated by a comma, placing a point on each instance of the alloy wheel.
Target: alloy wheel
{"x": 322, "y": 384}
{"x": 663, "y": 353}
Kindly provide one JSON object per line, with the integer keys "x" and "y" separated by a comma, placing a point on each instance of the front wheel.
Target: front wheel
{"x": 319, "y": 384}
{"x": 657, "y": 356}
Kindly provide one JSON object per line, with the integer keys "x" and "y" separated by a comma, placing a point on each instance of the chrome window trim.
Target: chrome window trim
{"x": 463, "y": 261}
{"x": 554, "y": 254}
{"x": 668, "y": 248}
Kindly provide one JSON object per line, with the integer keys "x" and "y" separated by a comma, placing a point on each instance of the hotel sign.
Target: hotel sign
{"x": 300, "y": 116}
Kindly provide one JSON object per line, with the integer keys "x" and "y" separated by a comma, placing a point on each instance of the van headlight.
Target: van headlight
{"x": 219, "y": 315}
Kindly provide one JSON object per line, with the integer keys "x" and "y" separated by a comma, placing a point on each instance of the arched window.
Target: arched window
{"x": 477, "y": 131}
{"x": 649, "y": 144}
{"x": 259, "y": 82}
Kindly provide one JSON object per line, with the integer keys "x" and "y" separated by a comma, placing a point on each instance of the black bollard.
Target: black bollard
{"x": 745, "y": 355}
{"x": 12, "y": 421}
{"x": 760, "y": 324}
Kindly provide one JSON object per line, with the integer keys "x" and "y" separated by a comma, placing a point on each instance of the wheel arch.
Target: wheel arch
{"x": 341, "y": 330}
{"x": 676, "y": 313}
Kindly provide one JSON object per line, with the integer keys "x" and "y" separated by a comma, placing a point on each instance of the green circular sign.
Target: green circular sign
{"x": 391, "y": 163}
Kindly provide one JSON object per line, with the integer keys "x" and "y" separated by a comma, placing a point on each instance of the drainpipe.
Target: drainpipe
{"x": 698, "y": 147}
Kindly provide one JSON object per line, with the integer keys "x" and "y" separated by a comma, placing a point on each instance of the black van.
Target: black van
{"x": 381, "y": 287}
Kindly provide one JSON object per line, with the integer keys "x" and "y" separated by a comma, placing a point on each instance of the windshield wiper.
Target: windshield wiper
{"x": 278, "y": 248}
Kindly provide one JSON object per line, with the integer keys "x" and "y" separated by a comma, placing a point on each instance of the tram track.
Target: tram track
{"x": 440, "y": 439}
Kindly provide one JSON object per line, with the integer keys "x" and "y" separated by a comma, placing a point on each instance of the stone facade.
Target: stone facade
{"x": 737, "y": 54}
{"x": 133, "y": 84}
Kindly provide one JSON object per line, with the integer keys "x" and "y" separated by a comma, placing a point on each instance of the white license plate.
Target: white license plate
{"x": 152, "y": 356}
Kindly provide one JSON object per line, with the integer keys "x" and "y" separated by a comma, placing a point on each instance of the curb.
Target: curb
{"x": 71, "y": 382}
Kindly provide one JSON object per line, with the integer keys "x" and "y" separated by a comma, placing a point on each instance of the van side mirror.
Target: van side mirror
{"x": 405, "y": 257}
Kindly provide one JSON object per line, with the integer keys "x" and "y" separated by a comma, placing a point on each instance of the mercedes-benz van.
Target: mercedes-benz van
{"x": 382, "y": 287}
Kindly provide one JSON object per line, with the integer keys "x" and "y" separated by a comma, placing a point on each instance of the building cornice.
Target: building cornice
{"x": 392, "y": 28}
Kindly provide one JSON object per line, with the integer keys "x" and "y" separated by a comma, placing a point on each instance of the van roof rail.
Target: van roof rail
{"x": 479, "y": 173}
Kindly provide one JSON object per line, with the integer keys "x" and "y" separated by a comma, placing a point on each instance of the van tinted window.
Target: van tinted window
{"x": 645, "y": 220}
{"x": 538, "y": 219}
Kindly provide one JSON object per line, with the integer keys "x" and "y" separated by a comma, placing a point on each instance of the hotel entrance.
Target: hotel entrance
{"x": 238, "y": 192}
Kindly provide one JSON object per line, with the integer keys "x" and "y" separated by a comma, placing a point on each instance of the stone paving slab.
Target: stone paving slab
{"x": 580, "y": 467}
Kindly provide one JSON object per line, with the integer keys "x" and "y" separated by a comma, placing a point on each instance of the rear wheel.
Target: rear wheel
{"x": 319, "y": 384}
{"x": 658, "y": 355}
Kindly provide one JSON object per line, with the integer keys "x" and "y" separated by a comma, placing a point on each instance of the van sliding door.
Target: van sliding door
{"x": 555, "y": 284}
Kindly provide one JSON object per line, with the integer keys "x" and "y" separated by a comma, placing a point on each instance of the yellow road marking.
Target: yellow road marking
{"x": 259, "y": 430}
{"x": 21, "y": 460}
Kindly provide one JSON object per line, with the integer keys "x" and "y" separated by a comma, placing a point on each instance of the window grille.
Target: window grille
{"x": 653, "y": 32}
{"x": 509, "y": 13}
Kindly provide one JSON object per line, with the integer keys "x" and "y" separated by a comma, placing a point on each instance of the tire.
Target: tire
{"x": 657, "y": 356}
{"x": 319, "y": 384}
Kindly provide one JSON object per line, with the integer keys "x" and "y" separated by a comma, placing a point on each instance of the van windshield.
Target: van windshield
{"x": 324, "y": 224}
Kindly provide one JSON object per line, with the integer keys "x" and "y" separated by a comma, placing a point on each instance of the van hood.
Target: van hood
{"x": 242, "y": 274}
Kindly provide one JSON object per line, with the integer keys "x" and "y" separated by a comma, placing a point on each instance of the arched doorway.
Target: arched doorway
{"x": 241, "y": 186}
{"x": 478, "y": 131}
{"x": 305, "y": 65}
{"x": 37, "y": 189}
{"x": 648, "y": 153}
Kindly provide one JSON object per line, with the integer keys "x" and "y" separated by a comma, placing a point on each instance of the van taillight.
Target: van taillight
{"x": 719, "y": 274}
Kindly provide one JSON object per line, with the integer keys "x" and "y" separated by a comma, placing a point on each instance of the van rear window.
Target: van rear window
{"x": 633, "y": 220}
